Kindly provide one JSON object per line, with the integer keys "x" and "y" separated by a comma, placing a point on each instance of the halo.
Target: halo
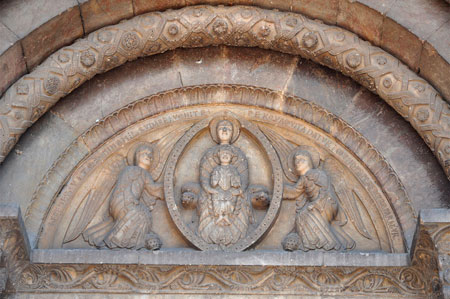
{"x": 315, "y": 157}
{"x": 132, "y": 151}
{"x": 215, "y": 121}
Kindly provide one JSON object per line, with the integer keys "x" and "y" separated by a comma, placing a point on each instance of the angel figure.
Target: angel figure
{"x": 317, "y": 208}
{"x": 324, "y": 202}
{"x": 130, "y": 206}
{"x": 128, "y": 186}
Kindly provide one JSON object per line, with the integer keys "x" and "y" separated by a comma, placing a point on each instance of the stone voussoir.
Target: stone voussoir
{"x": 108, "y": 12}
{"x": 412, "y": 97}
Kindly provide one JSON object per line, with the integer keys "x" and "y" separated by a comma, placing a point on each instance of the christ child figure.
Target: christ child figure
{"x": 225, "y": 186}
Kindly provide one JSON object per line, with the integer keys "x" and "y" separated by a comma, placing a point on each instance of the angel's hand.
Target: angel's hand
{"x": 300, "y": 184}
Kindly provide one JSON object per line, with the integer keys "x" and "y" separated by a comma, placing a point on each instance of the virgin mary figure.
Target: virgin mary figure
{"x": 223, "y": 206}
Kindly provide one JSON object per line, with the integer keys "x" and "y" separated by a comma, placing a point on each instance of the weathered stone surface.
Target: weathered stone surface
{"x": 15, "y": 251}
{"x": 421, "y": 17}
{"x": 143, "y": 6}
{"x": 436, "y": 223}
{"x": 401, "y": 43}
{"x": 326, "y": 10}
{"x": 12, "y": 66}
{"x": 439, "y": 41}
{"x": 7, "y": 38}
{"x": 435, "y": 68}
{"x": 23, "y": 17}
{"x": 360, "y": 19}
{"x": 51, "y": 36}
{"x": 382, "y": 6}
{"x": 27, "y": 168}
{"x": 100, "y": 13}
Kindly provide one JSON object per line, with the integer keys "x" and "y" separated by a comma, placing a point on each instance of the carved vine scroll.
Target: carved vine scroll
{"x": 199, "y": 26}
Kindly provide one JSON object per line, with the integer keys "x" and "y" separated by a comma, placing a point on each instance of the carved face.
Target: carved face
{"x": 225, "y": 157}
{"x": 302, "y": 163}
{"x": 224, "y": 131}
{"x": 144, "y": 158}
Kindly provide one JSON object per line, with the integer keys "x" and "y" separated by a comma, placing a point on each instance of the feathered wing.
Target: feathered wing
{"x": 241, "y": 163}
{"x": 164, "y": 146}
{"x": 347, "y": 197}
{"x": 104, "y": 183}
{"x": 283, "y": 148}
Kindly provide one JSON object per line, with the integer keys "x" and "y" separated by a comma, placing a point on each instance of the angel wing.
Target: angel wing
{"x": 283, "y": 149}
{"x": 164, "y": 145}
{"x": 102, "y": 187}
{"x": 347, "y": 196}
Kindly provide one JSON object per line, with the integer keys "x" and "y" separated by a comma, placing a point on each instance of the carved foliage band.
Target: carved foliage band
{"x": 412, "y": 97}
{"x": 393, "y": 281}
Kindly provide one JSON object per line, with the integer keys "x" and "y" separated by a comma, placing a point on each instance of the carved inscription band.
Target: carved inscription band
{"x": 199, "y": 26}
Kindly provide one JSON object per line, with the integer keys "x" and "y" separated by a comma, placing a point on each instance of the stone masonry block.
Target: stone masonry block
{"x": 325, "y": 10}
{"x": 100, "y": 13}
{"x": 7, "y": 38}
{"x": 12, "y": 66}
{"x": 24, "y": 16}
{"x": 143, "y": 6}
{"x": 435, "y": 69}
{"x": 58, "y": 32}
{"x": 382, "y": 6}
{"x": 421, "y": 17}
{"x": 440, "y": 40}
{"x": 360, "y": 19}
{"x": 401, "y": 43}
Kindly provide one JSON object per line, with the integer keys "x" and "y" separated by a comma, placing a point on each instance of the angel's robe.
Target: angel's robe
{"x": 130, "y": 204}
{"x": 317, "y": 208}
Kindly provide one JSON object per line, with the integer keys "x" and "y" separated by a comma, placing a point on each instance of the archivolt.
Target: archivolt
{"x": 199, "y": 26}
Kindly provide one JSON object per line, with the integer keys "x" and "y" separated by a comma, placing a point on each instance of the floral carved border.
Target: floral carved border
{"x": 346, "y": 281}
{"x": 199, "y": 26}
{"x": 419, "y": 280}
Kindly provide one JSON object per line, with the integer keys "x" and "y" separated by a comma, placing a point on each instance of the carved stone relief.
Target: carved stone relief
{"x": 130, "y": 198}
{"x": 224, "y": 195}
{"x": 225, "y": 168}
{"x": 386, "y": 282}
{"x": 149, "y": 34}
{"x": 418, "y": 280}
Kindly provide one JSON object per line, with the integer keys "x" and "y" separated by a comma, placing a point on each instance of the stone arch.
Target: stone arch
{"x": 412, "y": 97}
{"x": 59, "y": 23}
